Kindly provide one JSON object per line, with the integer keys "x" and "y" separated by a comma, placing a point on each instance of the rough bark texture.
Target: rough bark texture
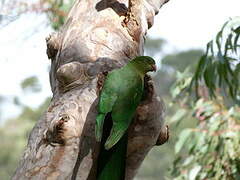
{"x": 98, "y": 36}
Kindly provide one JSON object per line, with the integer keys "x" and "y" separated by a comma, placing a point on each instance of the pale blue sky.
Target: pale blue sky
{"x": 183, "y": 23}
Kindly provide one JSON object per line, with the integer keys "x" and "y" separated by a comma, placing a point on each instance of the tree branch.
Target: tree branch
{"x": 98, "y": 36}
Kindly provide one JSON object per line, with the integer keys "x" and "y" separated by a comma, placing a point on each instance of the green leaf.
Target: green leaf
{"x": 219, "y": 41}
{"x": 178, "y": 115}
{"x": 224, "y": 25}
{"x": 194, "y": 172}
{"x": 220, "y": 57}
{"x": 210, "y": 78}
{"x": 235, "y": 42}
{"x": 228, "y": 44}
{"x": 237, "y": 70}
{"x": 209, "y": 46}
{"x": 237, "y": 30}
{"x": 184, "y": 135}
{"x": 188, "y": 160}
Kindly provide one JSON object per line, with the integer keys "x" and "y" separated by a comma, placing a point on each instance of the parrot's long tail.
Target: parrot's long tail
{"x": 112, "y": 162}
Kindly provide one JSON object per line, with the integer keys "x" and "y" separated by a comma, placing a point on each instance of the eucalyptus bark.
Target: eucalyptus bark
{"x": 98, "y": 36}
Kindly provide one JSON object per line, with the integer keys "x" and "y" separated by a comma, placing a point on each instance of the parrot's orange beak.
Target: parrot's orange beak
{"x": 154, "y": 68}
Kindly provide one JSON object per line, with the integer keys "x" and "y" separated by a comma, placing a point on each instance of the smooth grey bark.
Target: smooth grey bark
{"x": 98, "y": 36}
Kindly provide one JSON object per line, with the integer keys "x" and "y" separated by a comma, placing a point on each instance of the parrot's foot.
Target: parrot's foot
{"x": 101, "y": 78}
{"x": 99, "y": 126}
{"x": 114, "y": 137}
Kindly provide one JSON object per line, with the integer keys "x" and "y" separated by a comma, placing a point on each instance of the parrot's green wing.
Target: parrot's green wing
{"x": 107, "y": 99}
{"x": 130, "y": 93}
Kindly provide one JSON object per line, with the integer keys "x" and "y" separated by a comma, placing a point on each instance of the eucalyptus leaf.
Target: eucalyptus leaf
{"x": 183, "y": 137}
{"x": 194, "y": 172}
{"x": 178, "y": 115}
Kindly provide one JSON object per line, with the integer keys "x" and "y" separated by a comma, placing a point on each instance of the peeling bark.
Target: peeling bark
{"x": 97, "y": 37}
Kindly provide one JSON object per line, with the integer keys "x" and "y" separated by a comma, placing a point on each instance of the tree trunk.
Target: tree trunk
{"x": 97, "y": 37}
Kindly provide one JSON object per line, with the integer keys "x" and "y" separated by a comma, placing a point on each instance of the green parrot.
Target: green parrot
{"x": 121, "y": 94}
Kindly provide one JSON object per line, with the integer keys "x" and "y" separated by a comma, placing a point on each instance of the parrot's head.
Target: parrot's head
{"x": 145, "y": 63}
